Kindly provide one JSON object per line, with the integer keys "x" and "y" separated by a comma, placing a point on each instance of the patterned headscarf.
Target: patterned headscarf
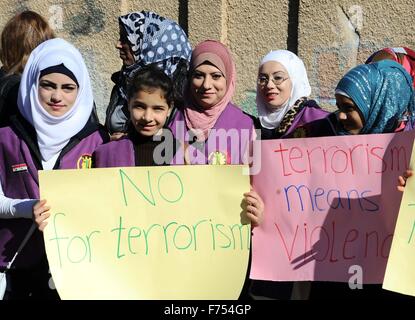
{"x": 383, "y": 93}
{"x": 406, "y": 58}
{"x": 153, "y": 39}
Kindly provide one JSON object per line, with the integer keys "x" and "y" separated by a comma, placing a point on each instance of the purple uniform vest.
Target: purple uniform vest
{"x": 228, "y": 141}
{"x": 19, "y": 180}
{"x": 120, "y": 153}
{"x": 304, "y": 117}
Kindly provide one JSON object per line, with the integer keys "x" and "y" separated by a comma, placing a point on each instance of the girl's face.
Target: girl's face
{"x": 126, "y": 53}
{"x": 57, "y": 93}
{"x": 149, "y": 111}
{"x": 208, "y": 85}
{"x": 349, "y": 114}
{"x": 274, "y": 84}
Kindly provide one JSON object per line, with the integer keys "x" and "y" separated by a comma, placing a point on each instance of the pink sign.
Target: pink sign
{"x": 330, "y": 205}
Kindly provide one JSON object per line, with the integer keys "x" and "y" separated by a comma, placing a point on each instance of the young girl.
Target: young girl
{"x": 150, "y": 103}
{"x": 53, "y": 130}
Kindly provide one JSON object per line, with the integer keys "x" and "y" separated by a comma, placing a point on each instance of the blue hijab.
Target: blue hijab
{"x": 382, "y": 91}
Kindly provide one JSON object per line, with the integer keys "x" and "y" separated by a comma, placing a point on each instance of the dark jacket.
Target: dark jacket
{"x": 9, "y": 87}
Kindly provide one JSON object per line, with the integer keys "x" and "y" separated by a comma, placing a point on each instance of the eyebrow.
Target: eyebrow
{"x": 213, "y": 72}
{"x": 276, "y": 72}
{"x": 53, "y": 83}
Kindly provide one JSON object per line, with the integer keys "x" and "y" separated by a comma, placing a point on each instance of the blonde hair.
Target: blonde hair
{"x": 21, "y": 34}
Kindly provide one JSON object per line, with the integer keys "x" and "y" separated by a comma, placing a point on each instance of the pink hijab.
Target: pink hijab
{"x": 216, "y": 53}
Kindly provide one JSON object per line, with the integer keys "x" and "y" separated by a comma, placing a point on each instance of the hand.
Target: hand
{"x": 41, "y": 213}
{"x": 254, "y": 207}
{"x": 117, "y": 136}
{"x": 402, "y": 180}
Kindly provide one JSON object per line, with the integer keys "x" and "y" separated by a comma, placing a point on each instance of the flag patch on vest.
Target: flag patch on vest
{"x": 19, "y": 167}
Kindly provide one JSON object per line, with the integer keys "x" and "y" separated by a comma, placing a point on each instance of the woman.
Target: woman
{"x": 208, "y": 111}
{"x": 146, "y": 38}
{"x": 402, "y": 55}
{"x": 386, "y": 111}
{"x": 53, "y": 130}
{"x": 21, "y": 34}
{"x": 284, "y": 111}
{"x": 282, "y": 97}
{"x": 212, "y": 129}
{"x": 371, "y": 99}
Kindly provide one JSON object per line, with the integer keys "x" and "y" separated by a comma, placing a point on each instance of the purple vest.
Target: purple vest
{"x": 228, "y": 141}
{"x": 305, "y": 116}
{"x": 118, "y": 153}
{"x": 19, "y": 180}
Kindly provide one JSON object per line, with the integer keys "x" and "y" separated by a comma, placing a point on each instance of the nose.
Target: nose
{"x": 341, "y": 116}
{"x": 148, "y": 115}
{"x": 207, "y": 83}
{"x": 118, "y": 45}
{"x": 270, "y": 83}
{"x": 56, "y": 96}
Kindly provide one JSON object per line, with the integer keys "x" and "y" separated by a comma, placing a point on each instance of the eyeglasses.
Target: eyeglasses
{"x": 276, "y": 79}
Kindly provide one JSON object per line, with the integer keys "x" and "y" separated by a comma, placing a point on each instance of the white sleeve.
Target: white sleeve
{"x": 15, "y": 208}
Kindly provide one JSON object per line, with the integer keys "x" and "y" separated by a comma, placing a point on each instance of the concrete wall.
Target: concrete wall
{"x": 330, "y": 36}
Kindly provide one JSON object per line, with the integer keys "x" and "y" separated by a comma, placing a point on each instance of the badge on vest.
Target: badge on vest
{"x": 19, "y": 167}
{"x": 85, "y": 161}
{"x": 218, "y": 157}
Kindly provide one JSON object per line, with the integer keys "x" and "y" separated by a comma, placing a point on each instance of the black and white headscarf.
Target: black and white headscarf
{"x": 153, "y": 39}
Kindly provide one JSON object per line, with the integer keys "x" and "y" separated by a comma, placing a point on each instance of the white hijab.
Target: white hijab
{"x": 53, "y": 133}
{"x": 271, "y": 118}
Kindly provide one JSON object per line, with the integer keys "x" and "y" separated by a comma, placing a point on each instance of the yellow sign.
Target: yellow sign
{"x": 177, "y": 232}
{"x": 400, "y": 275}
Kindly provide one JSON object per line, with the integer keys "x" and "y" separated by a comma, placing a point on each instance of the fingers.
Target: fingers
{"x": 255, "y": 221}
{"x": 41, "y": 223}
{"x": 402, "y": 180}
{"x": 400, "y": 188}
{"x": 254, "y": 207}
{"x": 41, "y": 213}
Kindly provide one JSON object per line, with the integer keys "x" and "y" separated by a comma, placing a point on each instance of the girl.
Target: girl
{"x": 150, "y": 104}
{"x": 53, "y": 130}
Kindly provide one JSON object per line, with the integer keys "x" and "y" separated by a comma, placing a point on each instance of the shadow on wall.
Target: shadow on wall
{"x": 329, "y": 64}
{"x": 91, "y": 20}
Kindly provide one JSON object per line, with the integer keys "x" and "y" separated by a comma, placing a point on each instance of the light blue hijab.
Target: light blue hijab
{"x": 382, "y": 91}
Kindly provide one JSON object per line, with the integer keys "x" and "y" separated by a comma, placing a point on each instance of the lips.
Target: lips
{"x": 56, "y": 106}
{"x": 146, "y": 127}
{"x": 206, "y": 94}
{"x": 271, "y": 96}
